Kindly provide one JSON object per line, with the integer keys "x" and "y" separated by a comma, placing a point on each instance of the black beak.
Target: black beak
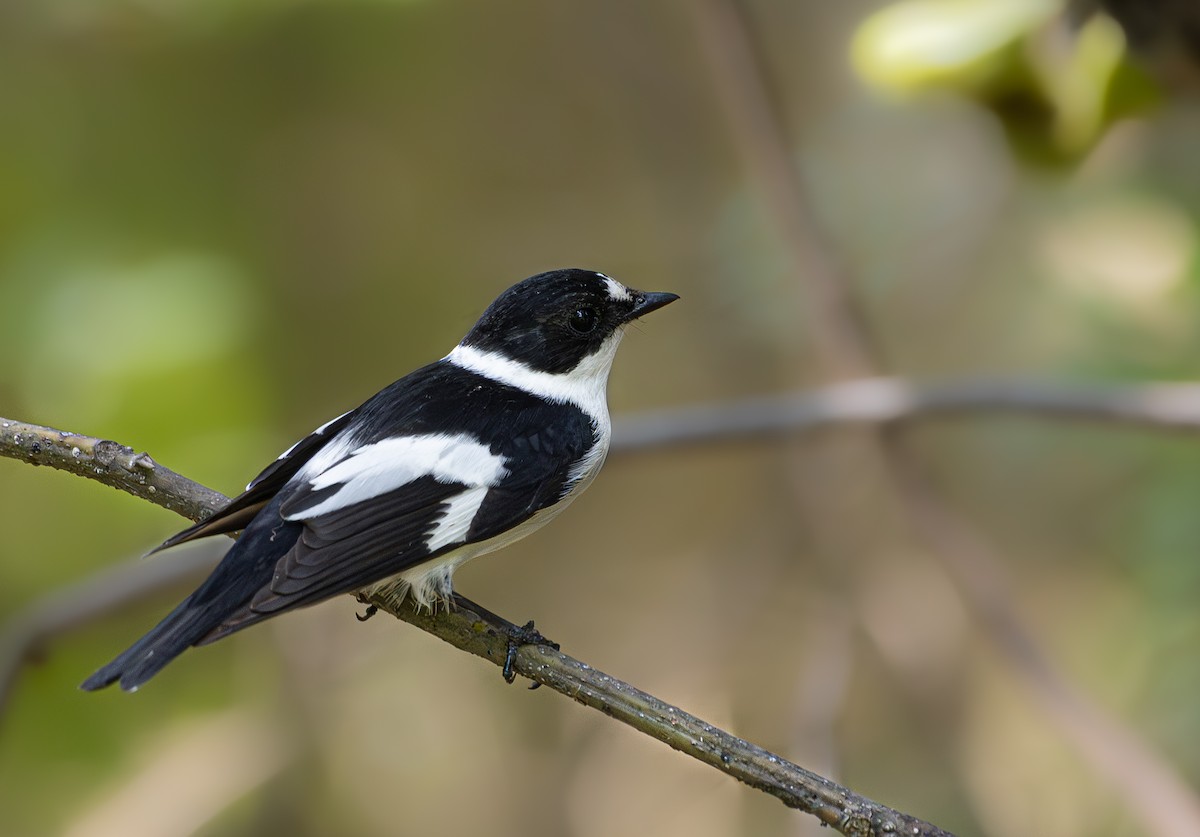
{"x": 644, "y": 303}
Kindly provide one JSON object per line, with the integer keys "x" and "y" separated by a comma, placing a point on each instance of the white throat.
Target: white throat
{"x": 585, "y": 386}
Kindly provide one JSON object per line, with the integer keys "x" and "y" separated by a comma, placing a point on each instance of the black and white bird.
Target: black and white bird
{"x": 456, "y": 459}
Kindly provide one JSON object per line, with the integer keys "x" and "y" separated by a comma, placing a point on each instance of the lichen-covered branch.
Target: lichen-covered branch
{"x": 833, "y": 805}
{"x": 110, "y": 463}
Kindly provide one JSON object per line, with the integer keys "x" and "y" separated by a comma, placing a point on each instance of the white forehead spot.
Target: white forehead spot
{"x": 615, "y": 289}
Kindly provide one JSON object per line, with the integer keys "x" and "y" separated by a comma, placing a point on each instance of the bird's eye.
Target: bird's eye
{"x": 583, "y": 321}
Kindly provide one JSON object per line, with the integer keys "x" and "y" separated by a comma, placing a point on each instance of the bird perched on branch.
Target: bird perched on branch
{"x": 456, "y": 459}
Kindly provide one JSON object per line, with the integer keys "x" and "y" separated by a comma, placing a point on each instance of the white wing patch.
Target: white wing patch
{"x": 334, "y": 451}
{"x": 455, "y": 522}
{"x": 375, "y": 469}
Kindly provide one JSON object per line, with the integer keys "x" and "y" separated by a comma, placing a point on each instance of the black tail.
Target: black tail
{"x": 203, "y": 616}
{"x": 182, "y": 628}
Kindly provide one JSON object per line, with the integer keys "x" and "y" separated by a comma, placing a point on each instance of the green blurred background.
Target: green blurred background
{"x": 222, "y": 223}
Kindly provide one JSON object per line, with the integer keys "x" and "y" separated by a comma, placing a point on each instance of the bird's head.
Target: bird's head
{"x": 562, "y": 321}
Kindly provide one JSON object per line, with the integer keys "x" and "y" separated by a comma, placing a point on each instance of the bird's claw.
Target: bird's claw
{"x": 527, "y": 634}
{"x": 366, "y": 614}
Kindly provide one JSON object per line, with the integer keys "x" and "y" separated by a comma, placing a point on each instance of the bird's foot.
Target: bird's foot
{"x": 526, "y": 634}
{"x": 516, "y": 635}
{"x": 369, "y": 612}
{"x": 366, "y": 614}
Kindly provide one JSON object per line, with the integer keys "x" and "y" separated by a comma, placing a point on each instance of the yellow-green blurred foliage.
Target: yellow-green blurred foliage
{"x": 1055, "y": 89}
{"x": 222, "y": 223}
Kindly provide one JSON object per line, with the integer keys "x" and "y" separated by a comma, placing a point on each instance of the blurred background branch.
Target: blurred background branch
{"x": 26, "y": 636}
{"x": 870, "y": 401}
{"x": 1163, "y": 406}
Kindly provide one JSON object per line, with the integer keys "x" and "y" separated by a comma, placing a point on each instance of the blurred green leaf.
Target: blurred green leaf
{"x": 915, "y": 45}
{"x": 1055, "y": 92}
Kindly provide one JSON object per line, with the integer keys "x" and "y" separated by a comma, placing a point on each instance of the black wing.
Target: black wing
{"x": 280, "y": 563}
{"x": 377, "y": 537}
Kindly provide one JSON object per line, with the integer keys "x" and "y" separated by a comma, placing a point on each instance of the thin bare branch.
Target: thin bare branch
{"x": 480, "y": 634}
{"x": 796, "y": 787}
